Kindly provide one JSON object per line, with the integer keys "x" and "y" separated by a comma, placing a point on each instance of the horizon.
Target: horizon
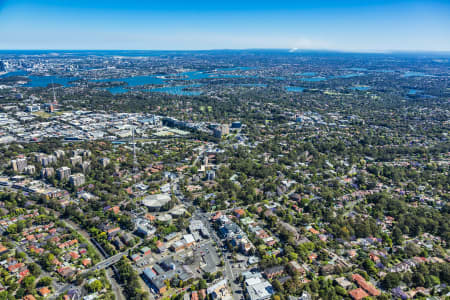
{"x": 347, "y": 26}
{"x": 240, "y": 50}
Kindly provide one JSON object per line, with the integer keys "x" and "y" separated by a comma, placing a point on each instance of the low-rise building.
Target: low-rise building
{"x": 219, "y": 290}
{"x": 358, "y": 294}
{"x": 274, "y": 271}
{"x": 258, "y": 288}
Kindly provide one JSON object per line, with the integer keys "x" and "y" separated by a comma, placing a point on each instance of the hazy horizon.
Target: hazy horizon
{"x": 239, "y": 49}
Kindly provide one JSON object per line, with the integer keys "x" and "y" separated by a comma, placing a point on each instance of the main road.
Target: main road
{"x": 228, "y": 269}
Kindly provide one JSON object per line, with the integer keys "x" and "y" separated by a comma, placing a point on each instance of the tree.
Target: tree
{"x": 28, "y": 282}
{"x": 397, "y": 236}
{"x": 3, "y": 295}
{"x": 20, "y": 255}
{"x": 418, "y": 279}
{"x": 11, "y": 229}
{"x": 95, "y": 286}
{"x": 341, "y": 291}
{"x": 35, "y": 269}
{"x": 45, "y": 281}
{"x": 278, "y": 286}
{"x": 202, "y": 284}
{"x": 412, "y": 249}
{"x": 391, "y": 280}
{"x": 369, "y": 265}
{"x": 20, "y": 293}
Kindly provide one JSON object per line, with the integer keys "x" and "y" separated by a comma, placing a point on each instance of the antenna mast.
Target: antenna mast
{"x": 54, "y": 95}
{"x": 135, "y": 168}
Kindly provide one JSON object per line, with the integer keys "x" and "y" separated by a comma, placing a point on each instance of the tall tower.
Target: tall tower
{"x": 135, "y": 167}
{"x": 55, "y": 102}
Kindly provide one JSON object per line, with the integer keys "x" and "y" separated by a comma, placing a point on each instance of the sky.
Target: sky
{"x": 345, "y": 25}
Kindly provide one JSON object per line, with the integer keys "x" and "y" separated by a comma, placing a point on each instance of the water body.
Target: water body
{"x": 346, "y": 76}
{"x": 219, "y": 76}
{"x": 428, "y": 96}
{"x": 360, "y": 88}
{"x": 357, "y": 69}
{"x": 295, "y": 89}
{"x": 414, "y": 74}
{"x": 193, "y": 75}
{"x": 314, "y": 79}
{"x": 117, "y": 90}
{"x": 383, "y": 71}
{"x": 132, "y": 81}
{"x": 14, "y": 73}
{"x": 43, "y": 81}
{"x": 321, "y": 78}
{"x": 136, "y": 80}
{"x": 413, "y": 91}
{"x": 152, "y": 79}
{"x": 253, "y": 84}
{"x": 306, "y": 74}
{"x": 235, "y": 69}
{"x": 417, "y": 93}
{"x": 171, "y": 90}
{"x": 178, "y": 90}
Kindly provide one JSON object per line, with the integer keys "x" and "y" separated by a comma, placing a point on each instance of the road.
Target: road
{"x": 114, "y": 285}
{"x": 338, "y": 258}
{"x": 107, "y": 262}
{"x": 236, "y": 289}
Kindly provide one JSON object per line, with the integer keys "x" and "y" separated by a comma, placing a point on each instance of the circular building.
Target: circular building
{"x": 156, "y": 202}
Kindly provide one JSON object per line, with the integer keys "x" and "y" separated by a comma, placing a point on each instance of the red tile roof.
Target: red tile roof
{"x": 12, "y": 268}
{"x": 194, "y": 295}
{"x": 44, "y": 291}
{"x": 86, "y": 262}
{"x": 358, "y": 294}
{"x": 365, "y": 285}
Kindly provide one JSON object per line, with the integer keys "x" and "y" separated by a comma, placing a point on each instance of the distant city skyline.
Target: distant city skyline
{"x": 348, "y": 25}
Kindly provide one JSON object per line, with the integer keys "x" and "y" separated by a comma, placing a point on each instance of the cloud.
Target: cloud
{"x": 307, "y": 43}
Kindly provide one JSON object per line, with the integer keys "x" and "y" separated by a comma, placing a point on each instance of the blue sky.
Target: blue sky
{"x": 349, "y": 25}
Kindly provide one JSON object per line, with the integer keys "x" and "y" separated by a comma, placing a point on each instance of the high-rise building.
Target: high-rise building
{"x": 33, "y": 108}
{"x": 81, "y": 152}
{"x": 63, "y": 173}
{"x": 30, "y": 170}
{"x": 85, "y": 165}
{"x": 49, "y": 107}
{"x": 76, "y": 160}
{"x": 210, "y": 175}
{"x": 59, "y": 153}
{"x": 104, "y": 161}
{"x": 19, "y": 164}
{"x": 221, "y": 130}
{"x": 76, "y": 179}
{"x": 47, "y": 172}
{"x": 45, "y": 159}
